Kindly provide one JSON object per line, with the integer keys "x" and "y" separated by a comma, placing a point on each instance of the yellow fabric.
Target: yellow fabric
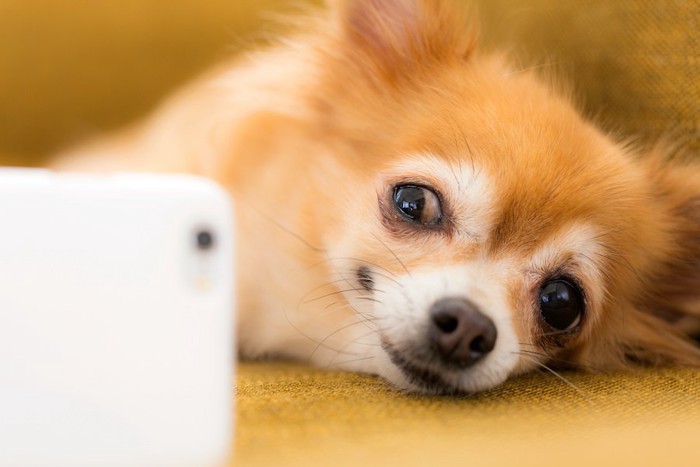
{"x": 70, "y": 69}
{"x": 297, "y": 416}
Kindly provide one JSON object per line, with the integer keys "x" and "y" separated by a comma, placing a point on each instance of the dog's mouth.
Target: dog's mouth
{"x": 421, "y": 375}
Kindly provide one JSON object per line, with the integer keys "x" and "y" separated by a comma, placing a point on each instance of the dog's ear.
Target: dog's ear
{"x": 646, "y": 339}
{"x": 674, "y": 289}
{"x": 394, "y": 37}
{"x": 657, "y": 325}
{"x": 637, "y": 336}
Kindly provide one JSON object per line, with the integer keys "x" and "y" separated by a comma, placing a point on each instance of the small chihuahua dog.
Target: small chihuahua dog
{"x": 413, "y": 207}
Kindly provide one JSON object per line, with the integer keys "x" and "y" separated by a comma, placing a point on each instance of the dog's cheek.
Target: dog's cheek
{"x": 394, "y": 310}
{"x": 523, "y": 320}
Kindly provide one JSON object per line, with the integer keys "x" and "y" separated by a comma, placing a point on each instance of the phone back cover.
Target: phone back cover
{"x": 115, "y": 330}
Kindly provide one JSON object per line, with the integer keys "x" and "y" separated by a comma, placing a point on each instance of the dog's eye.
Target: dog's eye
{"x": 561, "y": 304}
{"x": 418, "y": 204}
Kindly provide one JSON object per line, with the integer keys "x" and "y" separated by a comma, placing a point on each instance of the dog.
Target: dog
{"x": 413, "y": 207}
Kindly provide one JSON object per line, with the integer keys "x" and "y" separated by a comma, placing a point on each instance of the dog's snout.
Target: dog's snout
{"x": 460, "y": 332}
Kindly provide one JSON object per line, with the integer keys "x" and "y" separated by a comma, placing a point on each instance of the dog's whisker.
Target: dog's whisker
{"x": 354, "y": 259}
{"x": 561, "y": 360}
{"x": 531, "y": 68}
{"x": 348, "y": 306}
{"x": 340, "y": 305}
{"x": 357, "y": 340}
{"x": 339, "y": 272}
{"x": 285, "y": 229}
{"x": 306, "y": 336}
{"x": 347, "y": 362}
{"x": 369, "y": 299}
{"x": 335, "y": 333}
{"x": 330, "y": 294}
{"x": 381, "y": 274}
{"x": 546, "y": 357}
{"x": 552, "y": 333}
{"x": 326, "y": 284}
{"x": 335, "y": 304}
{"x": 393, "y": 253}
{"x": 558, "y": 375}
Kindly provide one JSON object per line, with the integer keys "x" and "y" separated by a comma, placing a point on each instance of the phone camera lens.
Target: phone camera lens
{"x": 205, "y": 240}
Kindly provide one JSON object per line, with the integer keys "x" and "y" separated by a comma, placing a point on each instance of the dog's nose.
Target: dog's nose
{"x": 461, "y": 333}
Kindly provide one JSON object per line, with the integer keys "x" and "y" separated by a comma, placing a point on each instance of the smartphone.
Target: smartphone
{"x": 116, "y": 320}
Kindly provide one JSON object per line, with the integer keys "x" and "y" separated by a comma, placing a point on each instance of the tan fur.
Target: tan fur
{"x": 302, "y": 132}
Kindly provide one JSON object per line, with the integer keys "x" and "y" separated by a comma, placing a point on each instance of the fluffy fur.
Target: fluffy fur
{"x": 312, "y": 135}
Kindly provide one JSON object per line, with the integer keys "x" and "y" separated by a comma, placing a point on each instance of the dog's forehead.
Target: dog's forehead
{"x": 519, "y": 159}
{"x": 536, "y": 197}
{"x": 506, "y": 207}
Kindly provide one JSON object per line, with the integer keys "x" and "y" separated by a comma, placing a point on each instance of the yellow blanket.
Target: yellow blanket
{"x": 292, "y": 415}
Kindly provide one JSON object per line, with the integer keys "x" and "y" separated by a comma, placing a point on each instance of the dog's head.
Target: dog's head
{"x": 489, "y": 228}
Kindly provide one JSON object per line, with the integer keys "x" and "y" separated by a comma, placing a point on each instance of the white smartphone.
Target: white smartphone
{"x": 116, "y": 331}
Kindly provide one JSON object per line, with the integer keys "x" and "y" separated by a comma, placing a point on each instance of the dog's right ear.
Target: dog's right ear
{"x": 393, "y": 38}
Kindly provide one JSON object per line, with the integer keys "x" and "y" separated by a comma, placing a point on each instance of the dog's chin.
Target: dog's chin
{"x": 415, "y": 376}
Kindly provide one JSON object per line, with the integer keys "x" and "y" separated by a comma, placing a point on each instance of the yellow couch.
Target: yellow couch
{"x": 296, "y": 416}
{"x": 71, "y": 69}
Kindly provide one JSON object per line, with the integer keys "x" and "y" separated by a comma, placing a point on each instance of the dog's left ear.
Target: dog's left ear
{"x": 657, "y": 327}
{"x": 395, "y": 37}
{"x": 647, "y": 339}
{"x": 674, "y": 291}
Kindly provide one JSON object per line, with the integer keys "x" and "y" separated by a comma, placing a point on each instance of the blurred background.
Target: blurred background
{"x": 71, "y": 69}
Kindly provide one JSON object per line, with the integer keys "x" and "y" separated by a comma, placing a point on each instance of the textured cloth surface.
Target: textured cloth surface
{"x": 298, "y": 416}
{"x": 72, "y": 69}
